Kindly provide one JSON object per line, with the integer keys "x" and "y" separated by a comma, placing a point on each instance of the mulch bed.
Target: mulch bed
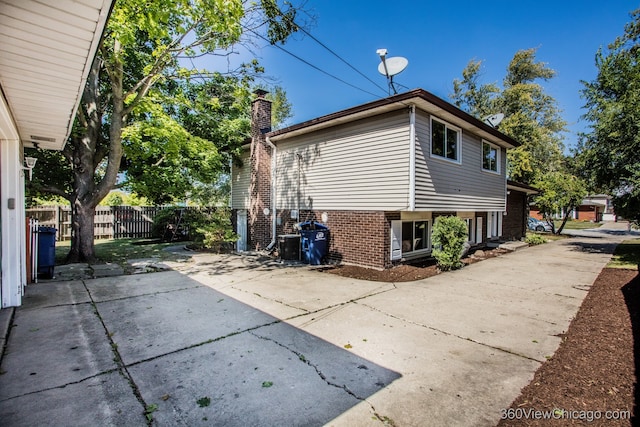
{"x": 595, "y": 367}
{"x": 405, "y": 272}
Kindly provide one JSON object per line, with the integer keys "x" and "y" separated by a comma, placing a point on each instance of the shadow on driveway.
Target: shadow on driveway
{"x": 104, "y": 351}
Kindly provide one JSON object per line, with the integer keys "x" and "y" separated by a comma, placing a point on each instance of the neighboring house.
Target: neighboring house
{"x": 594, "y": 208}
{"x": 46, "y": 50}
{"x": 378, "y": 175}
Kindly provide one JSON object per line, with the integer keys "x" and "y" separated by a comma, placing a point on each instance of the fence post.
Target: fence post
{"x": 58, "y": 224}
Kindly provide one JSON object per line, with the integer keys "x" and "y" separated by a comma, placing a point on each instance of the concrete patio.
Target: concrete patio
{"x": 235, "y": 340}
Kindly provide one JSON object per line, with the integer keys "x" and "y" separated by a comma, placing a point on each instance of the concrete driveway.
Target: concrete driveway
{"x": 234, "y": 341}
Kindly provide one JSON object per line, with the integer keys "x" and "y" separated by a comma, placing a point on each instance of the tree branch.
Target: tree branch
{"x": 51, "y": 189}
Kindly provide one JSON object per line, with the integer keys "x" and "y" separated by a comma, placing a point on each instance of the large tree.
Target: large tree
{"x": 146, "y": 45}
{"x": 531, "y": 116}
{"x": 610, "y": 152}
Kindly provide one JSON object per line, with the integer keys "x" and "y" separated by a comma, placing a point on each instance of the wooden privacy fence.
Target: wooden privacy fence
{"x": 110, "y": 222}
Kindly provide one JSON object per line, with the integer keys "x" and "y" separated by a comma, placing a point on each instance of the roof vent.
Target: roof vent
{"x": 42, "y": 138}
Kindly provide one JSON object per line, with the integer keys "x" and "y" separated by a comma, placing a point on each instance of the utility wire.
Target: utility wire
{"x": 311, "y": 65}
{"x": 339, "y": 57}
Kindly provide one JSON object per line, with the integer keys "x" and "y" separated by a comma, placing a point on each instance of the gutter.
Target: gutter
{"x": 412, "y": 157}
{"x": 274, "y": 163}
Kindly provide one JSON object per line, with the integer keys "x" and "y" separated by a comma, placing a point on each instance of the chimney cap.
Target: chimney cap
{"x": 261, "y": 92}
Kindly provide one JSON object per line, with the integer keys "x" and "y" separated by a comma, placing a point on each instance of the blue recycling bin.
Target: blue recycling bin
{"x": 314, "y": 242}
{"x": 46, "y": 251}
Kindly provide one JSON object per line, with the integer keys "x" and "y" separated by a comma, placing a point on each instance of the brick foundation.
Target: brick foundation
{"x": 355, "y": 237}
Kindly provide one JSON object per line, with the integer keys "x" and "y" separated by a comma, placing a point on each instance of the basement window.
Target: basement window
{"x": 415, "y": 236}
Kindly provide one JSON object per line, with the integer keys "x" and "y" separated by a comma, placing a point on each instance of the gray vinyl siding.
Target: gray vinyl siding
{"x": 448, "y": 186}
{"x": 240, "y": 180}
{"x": 363, "y": 165}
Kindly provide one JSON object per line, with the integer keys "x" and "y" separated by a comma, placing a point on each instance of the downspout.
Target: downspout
{"x": 274, "y": 163}
{"x": 412, "y": 158}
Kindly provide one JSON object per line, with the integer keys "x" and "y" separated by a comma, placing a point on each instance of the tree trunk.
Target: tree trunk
{"x": 87, "y": 155}
{"x": 82, "y": 247}
{"x": 83, "y": 203}
{"x": 564, "y": 220}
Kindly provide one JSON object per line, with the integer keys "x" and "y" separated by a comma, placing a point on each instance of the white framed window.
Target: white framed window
{"x": 409, "y": 238}
{"x": 478, "y": 229}
{"x": 415, "y": 236}
{"x": 490, "y": 157}
{"x": 494, "y": 224}
{"x": 446, "y": 140}
{"x": 471, "y": 236}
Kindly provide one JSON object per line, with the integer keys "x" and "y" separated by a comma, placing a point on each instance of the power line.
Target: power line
{"x": 340, "y": 58}
{"x": 311, "y": 65}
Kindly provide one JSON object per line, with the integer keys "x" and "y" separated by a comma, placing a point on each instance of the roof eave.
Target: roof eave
{"x": 518, "y": 186}
{"x": 421, "y": 98}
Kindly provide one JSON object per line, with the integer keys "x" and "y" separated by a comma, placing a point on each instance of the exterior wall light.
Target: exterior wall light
{"x": 30, "y": 163}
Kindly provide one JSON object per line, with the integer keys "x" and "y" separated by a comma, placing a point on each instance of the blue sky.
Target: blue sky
{"x": 439, "y": 38}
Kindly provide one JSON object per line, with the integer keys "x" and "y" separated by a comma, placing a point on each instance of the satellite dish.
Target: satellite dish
{"x": 494, "y": 119}
{"x": 392, "y": 66}
{"x": 389, "y": 67}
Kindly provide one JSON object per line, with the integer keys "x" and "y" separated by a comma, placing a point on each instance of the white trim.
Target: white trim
{"x": 395, "y": 237}
{"x": 12, "y": 222}
{"x": 412, "y": 158}
{"x": 241, "y": 229}
{"x": 274, "y": 190}
{"x": 478, "y": 229}
{"x": 458, "y": 130}
{"x": 8, "y": 128}
{"x": 494, "y": 224}
{"x": 498, "y": 157}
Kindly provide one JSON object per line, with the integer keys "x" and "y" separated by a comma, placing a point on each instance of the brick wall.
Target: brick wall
{"x": 355, "y": 237}
{"x": 588, "y": 213}
{"x": 535, "y": 213}
{"x": 514, "y": 224}
{"x": 259, "y": 224}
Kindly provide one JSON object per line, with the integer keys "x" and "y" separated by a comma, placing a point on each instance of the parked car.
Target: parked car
{"x": 537, "y": 225}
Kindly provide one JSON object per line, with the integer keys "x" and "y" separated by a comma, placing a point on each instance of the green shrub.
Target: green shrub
{"x": 448, "y": 237}
{"x": 170, "y": 216}
{"x": 214, "y": 230}
{"x": 535, "y": 239}
{"x": 209, "y": 228}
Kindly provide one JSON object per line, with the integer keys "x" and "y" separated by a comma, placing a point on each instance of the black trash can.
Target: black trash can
{"x": 314, "y": 242}
{"x": 46, "y": 251}
{"x": 289, "y": 247}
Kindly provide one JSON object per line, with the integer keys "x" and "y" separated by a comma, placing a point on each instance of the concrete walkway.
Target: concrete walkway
{"x": 235, "y": 341}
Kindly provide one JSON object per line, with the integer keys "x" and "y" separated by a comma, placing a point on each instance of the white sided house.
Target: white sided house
{"x": 46, "y": 50}
{"x": 378, "y": 175}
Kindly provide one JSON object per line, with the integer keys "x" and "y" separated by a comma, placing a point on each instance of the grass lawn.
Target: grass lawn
{"x": 549, "y": 237}
{"x": 120, "y": 250}
{"x": 576, "y": 225}
{"x": 627, "y": 255}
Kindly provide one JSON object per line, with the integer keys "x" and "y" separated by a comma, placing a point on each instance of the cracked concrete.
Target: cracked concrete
{"x": 273, "y": 344}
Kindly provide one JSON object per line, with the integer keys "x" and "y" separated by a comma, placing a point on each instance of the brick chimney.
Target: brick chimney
{"x": 259, "y": 224}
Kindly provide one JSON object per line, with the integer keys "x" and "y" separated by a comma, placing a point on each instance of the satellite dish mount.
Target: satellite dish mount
{"x": 494, "y": 119}
{"x": 389, "y": 67}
